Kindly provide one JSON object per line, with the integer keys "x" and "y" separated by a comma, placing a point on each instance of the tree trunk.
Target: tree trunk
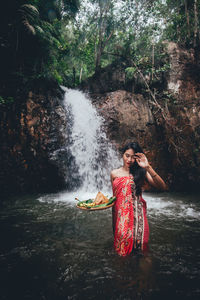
{"x": 99, "y": 44}
{"x": 99, "y": 54}
{"x": 187, "y": 18}
{"x": 195, "y": 23}
{"x": 80, "y": 77}
{"x": 152, "y": 70}
{"x": 74, "y": 76}
{"x": 102, "y": 42}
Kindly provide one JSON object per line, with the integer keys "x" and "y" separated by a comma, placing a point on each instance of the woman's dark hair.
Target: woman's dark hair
{"x": 137, "y": 171}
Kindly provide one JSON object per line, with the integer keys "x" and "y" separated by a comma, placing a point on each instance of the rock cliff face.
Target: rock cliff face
{"x": 129, "y": 116}
{"x": 110, "y": 78}
{"x": 182, "y": 127}
{"x": 33, "y": 136}
{"x": 168, "y": 129}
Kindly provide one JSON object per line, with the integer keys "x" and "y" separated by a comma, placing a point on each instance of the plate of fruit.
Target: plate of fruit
{"x": 100, "y": 202}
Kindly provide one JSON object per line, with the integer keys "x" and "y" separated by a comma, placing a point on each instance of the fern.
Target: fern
{"x": 28, "y": 13}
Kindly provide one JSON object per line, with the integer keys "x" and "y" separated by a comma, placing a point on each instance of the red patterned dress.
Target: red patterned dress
{"x": 131, "y": 229}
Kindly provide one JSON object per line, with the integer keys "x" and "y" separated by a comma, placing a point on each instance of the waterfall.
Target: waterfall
{"x": 92, "y": 156}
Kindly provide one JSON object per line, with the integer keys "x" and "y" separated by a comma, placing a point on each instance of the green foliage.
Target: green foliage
{"x": 58, "y": 77}
{"x": 32, "y": 45}
{"x": 68, "y": 41}
{"x": 130, "y": 71}
{"x": 6, "y": 101}
{"x": 169, "y": 97}
{"x": 181, "y": 22}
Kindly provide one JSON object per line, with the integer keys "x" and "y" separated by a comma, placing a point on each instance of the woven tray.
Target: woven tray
{"x": 95, "y": 208}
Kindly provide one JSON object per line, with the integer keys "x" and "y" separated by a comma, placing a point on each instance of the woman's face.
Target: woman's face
{"x": 129, "y": 157}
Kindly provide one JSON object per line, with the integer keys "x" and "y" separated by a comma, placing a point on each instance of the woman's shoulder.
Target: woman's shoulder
{"x": 115, "y": 172}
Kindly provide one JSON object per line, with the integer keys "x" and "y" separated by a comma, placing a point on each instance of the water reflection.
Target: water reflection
{"x": 52, "y": 250}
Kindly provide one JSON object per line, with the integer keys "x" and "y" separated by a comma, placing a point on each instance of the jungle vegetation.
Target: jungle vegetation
{"x": 67, "y": 41}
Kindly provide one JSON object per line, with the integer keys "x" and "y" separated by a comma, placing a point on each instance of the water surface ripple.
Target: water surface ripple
{"x": 52, "y": 250}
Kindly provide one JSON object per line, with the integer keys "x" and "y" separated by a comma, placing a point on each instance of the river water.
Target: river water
{"x": 51, "y": 250}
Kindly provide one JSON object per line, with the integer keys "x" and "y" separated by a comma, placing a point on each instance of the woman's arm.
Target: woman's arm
{"x": 152, "y": 177}
{"x": 111, "y": 176}
{"x": 114, "y": 173}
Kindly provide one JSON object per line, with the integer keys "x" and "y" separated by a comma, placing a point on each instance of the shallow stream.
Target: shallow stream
{"x": 52, "y": 250}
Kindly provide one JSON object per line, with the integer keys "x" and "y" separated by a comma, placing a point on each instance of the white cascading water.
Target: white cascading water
{"x": 93, "y": 155}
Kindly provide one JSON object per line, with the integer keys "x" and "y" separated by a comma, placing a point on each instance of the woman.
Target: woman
{"x": 131, "y": 229}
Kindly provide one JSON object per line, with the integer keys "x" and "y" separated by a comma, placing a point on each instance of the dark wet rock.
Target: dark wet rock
{"x": 33, "y": 139}
{"x": 108, "y": 79}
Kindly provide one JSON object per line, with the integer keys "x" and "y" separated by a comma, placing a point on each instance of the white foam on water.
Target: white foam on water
{"x": 69, "y": 197}
{"x": 172, "y": 208}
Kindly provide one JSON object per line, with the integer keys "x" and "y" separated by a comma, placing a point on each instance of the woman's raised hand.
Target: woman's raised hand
{"x": 141, "y": 159}
{"x": 152, "y": 177}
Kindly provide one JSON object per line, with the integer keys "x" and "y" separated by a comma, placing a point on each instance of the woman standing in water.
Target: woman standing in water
{"x": 131, "y": 229}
